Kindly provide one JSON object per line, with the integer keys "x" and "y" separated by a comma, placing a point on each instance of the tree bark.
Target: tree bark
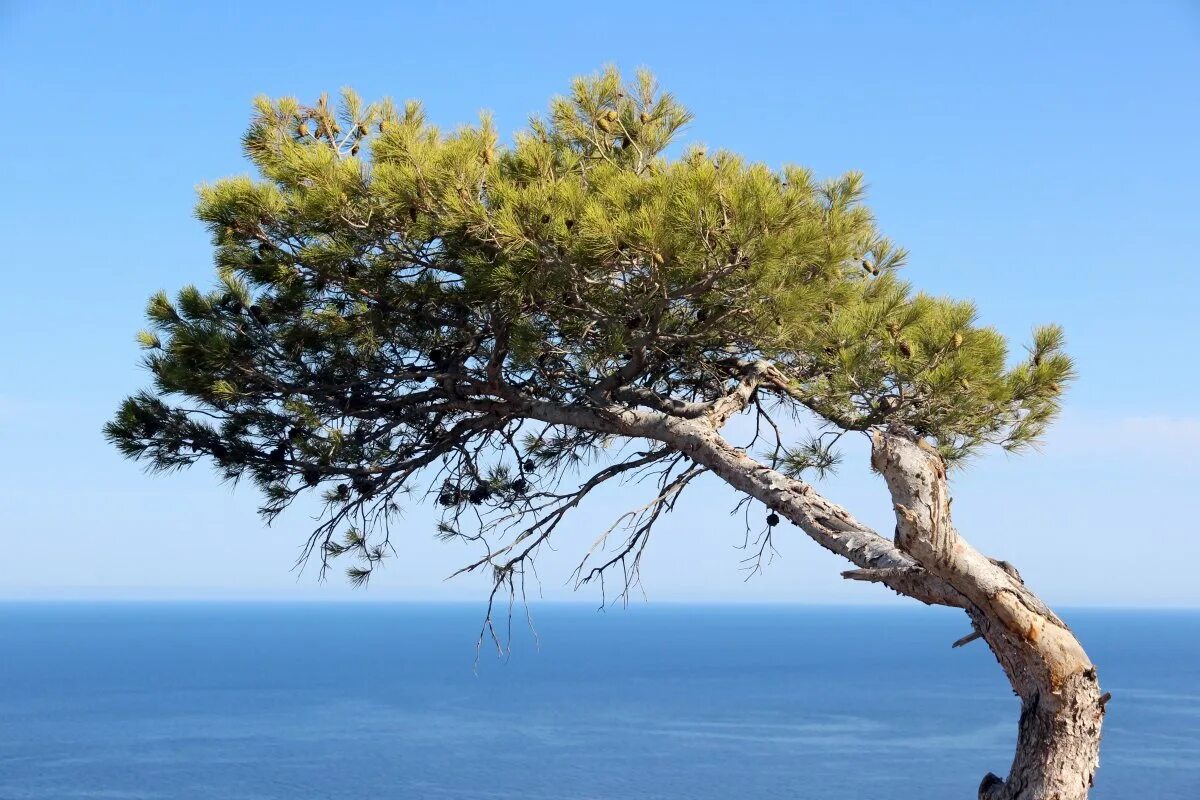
{"x": 1058, "y": 737}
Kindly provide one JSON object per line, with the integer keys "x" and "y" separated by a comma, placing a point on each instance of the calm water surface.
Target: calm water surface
{"x": 277, "y": 702}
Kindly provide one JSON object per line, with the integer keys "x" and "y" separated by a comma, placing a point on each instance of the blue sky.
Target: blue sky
{"x": 1038, "y": 157}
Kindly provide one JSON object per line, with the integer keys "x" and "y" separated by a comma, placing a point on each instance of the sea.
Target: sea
{"x": 266, "y": 701}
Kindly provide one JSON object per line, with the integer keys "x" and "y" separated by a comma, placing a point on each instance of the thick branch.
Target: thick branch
{"x": 830, "y": 525}
{"x": 716, "y": 411}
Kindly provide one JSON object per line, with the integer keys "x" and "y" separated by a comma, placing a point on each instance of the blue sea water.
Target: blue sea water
{"x": 268, "y": 701}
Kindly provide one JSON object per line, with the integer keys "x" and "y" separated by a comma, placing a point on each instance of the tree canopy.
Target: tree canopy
{"x": 403, "y": 313}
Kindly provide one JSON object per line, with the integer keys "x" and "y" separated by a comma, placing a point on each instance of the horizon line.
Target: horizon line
{"x": 409, "y": 601}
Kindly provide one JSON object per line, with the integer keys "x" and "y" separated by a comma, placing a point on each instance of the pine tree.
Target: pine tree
{"x": 404, "y": 313}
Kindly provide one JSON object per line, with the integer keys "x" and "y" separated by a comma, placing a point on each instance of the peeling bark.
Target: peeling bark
{"x": 827, "y": 523}
{"x": 1058, "y": 737}
{"x": 1062, "y": 709}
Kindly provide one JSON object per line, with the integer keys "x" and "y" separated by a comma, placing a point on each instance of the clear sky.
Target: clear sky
{"x": 1038, "y": 157}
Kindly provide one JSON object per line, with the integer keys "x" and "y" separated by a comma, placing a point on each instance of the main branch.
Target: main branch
{"x": 827, "y": 523}
{"x": 1062, "y": 709}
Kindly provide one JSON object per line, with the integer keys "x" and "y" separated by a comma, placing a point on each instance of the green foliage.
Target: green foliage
{"x": 814, "y": 455}
{"x": 380, "y": 273}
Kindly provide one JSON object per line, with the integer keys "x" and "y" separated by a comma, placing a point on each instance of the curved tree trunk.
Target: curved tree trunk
{"x": 1058, "y": 740}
